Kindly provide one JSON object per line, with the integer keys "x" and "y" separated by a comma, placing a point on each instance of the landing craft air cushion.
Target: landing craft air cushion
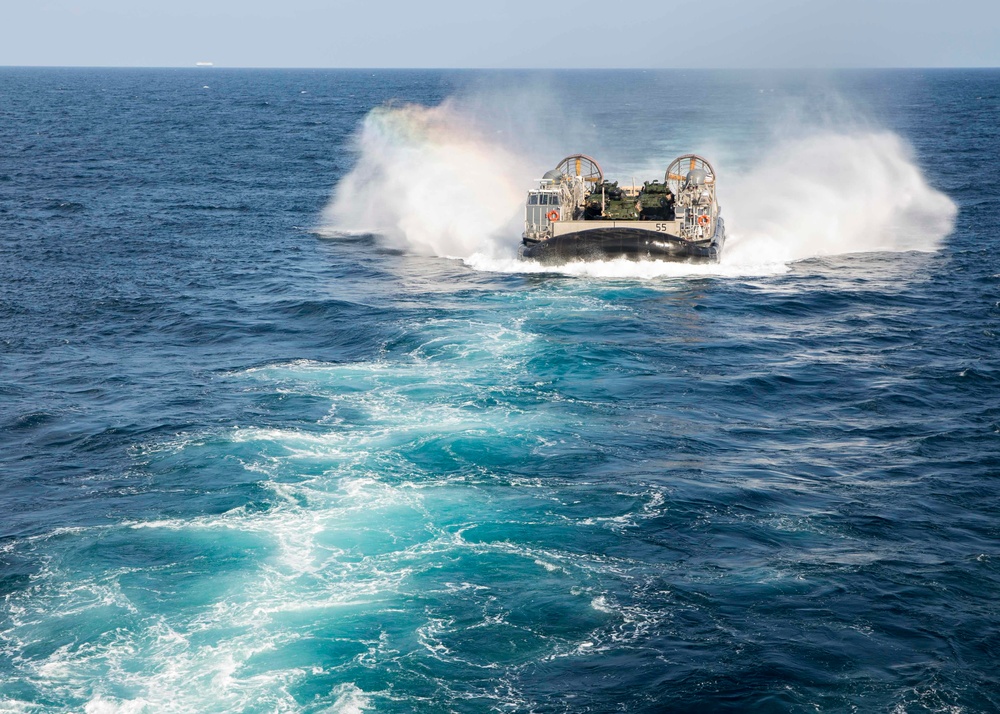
{"x": 575, "y": 214}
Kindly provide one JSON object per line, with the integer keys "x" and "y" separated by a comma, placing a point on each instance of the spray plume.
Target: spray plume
{"x": 429, "y": 180}
{"x": 439, "y": 181}
{"x": 834, "y": 193}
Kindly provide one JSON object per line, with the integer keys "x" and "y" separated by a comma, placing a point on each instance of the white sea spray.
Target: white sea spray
{"x": 436, "y": 180}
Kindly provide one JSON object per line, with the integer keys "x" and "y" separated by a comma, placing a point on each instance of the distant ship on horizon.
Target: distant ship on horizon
{"x": 204, "y": 64}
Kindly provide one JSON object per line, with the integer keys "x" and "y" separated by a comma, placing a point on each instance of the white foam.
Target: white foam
{"x": 102, "y": 705}
{"x": 623, "y": 268}
{"x": 350, "y": 700}
{"x": 552, "y": 568}
{"x": 600, "y": 603}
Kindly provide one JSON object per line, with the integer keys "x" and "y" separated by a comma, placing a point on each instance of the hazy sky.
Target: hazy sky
{"x": 512, "y": 33}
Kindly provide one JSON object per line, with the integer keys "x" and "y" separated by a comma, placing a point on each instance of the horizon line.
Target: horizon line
{"x": 213, "y": 66}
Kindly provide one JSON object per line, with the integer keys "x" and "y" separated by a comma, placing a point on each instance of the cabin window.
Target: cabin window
{"x": 533, "y": 200}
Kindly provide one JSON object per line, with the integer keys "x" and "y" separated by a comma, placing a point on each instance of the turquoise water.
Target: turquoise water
{"x": 256, "y": 463}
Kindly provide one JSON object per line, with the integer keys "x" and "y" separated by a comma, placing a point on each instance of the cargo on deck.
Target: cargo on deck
{"x": 575, "y": 214}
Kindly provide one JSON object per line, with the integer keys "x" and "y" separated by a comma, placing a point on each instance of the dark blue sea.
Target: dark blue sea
{"x": 286, "y": 426}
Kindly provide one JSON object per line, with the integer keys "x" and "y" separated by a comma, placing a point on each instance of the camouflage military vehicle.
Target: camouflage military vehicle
{"x": 575, "y": 214}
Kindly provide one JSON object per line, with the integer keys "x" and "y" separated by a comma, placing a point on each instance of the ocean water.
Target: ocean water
{"x": 286, "y": 427}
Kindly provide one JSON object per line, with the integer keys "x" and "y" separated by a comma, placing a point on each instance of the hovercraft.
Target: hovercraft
{"x": 575, "y": 214}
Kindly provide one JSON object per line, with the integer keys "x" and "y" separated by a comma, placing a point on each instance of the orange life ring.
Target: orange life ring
{"x": 703, "y": 220}
{"x": 553, "y": 215}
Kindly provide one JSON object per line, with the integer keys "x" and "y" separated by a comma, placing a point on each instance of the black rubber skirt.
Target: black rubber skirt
{"x": 630, "y": 243}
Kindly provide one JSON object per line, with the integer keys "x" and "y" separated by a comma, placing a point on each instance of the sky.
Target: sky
{"x": 501, "y": 33}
